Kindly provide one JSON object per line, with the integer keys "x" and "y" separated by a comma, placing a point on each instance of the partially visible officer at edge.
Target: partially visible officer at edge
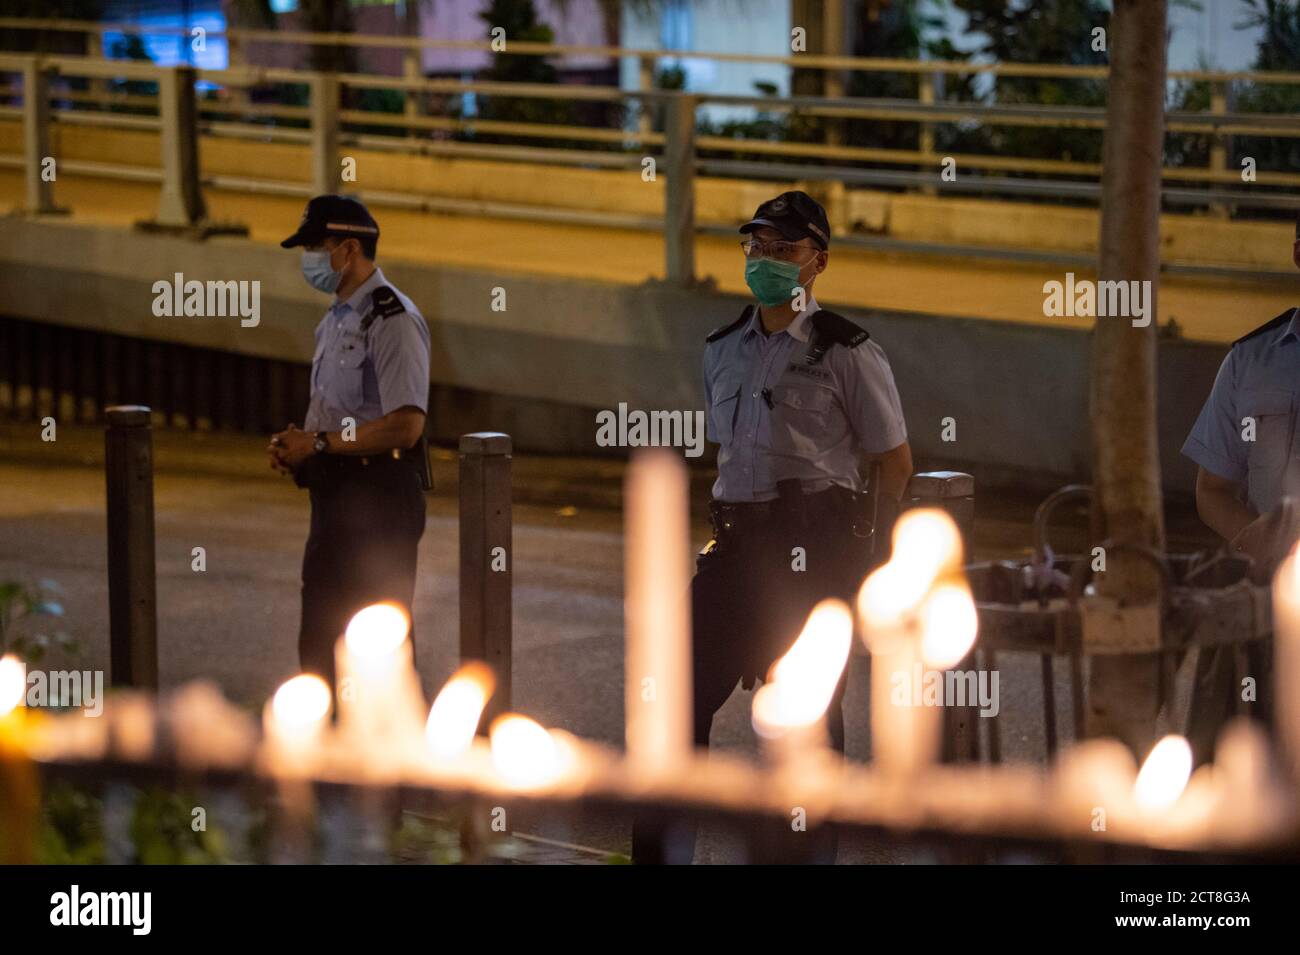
{"x": 1248, "y": 491}
{"x": 367, "y": 476}
{"x": 796, "y": 396}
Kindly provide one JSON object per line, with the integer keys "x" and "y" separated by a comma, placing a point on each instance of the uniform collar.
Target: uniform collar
{"x": 798, "y": 328}
{"x": 1292, "y": 329}
{"x": 359, "y": 298}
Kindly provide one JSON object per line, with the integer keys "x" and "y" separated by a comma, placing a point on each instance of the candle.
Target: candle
{"x": 657, "y": 660}
{"x": 792, "y": 703}
{"x": 1286, "y": 656}
{"x": 915, "y": 611}
{"x": 527, "y": 757}
{"x": 455, "y": 714}
{"x": 380, "y": 704}
{"x": 19, "y": 804}
{"x": 294, "y": 720}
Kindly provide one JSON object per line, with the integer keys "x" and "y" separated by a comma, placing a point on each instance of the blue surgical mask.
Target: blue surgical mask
{"x": 317, "y": 271}
{"x": 772, "y": 281}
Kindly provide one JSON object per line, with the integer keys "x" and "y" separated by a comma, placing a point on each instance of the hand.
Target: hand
{"x": 289, "y": 448}
{"x": 1257, "y": 541}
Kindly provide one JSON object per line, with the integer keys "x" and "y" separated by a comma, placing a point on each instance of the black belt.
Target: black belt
{"x": 834, "y": 502}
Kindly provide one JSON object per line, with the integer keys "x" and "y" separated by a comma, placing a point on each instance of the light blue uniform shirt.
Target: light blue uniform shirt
{"x": 366, "y": 373}
{"x": 822, "y": 417}
{"x": 1257, "y": 385}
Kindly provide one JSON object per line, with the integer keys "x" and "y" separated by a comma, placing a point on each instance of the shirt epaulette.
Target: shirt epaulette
{"x": 829, "y": 329}
{"x": 383, "y": 304}
{"x": 726, "y": 330}
{"x": 1267, "y": 326}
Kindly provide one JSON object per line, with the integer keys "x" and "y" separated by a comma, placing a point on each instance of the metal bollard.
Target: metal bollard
{"x": 486, "y": 559}
{"x": 324, "y": 105}
{"x": 132, "y": 599}
{"x": 953, "y": 492}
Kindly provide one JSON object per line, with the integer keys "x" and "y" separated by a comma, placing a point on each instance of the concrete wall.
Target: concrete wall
{"x": 564, "y": 348}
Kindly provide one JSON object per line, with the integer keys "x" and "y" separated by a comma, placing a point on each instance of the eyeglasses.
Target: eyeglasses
{"x": 776, "y": 249}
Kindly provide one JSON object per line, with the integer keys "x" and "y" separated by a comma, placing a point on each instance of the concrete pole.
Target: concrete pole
{"x": 487, "y": 560}
{"x": 1123, "y": 688}
{"x": 325, "y": 168}
{"x": 679, "y": 192}
{"x": 132, "y": 600}
{"x": 180, "y": 204}
{"x": 36, "y": 136}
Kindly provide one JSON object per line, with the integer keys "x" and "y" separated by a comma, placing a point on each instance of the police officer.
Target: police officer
{"x": 361, "y": 451}
{"x": 797, "y": 396}
{"x": 1247, "y": 487}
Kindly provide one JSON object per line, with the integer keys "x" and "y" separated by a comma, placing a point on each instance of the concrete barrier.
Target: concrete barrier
{"x": 1016, "y": 394}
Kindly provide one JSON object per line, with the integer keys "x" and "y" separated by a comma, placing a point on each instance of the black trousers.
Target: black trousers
{"x": 366, "y": 523}
{"x": 750, "y": 598}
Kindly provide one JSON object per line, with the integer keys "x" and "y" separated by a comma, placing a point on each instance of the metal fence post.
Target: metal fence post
{"x": 132, "y": 601}
{"x": 180, "y": 205}
{"x": 679, "y": 194}
{"x": 1220, "y": 145}
{"x": 954, "y": 493}
{"x": 325, "y": 170}
{"x": 36, "y": 135}
{"x": 486, "y": 559}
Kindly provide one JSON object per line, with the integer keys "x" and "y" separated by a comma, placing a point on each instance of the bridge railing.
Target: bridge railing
{"x": 656, "y": 125}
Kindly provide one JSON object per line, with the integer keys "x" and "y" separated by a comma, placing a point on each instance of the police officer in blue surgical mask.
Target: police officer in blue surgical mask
{"x": 361, "y": 453}
{"x": 799, "y": 400}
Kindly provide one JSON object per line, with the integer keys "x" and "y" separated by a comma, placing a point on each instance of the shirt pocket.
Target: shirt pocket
{"x": 1267, "y": 456}
{"x": 722, "y": 413}
{"x": 800, "y": 418}
{"x": 351, "y": 376}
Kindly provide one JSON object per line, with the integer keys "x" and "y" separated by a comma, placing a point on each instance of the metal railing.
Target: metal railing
{"x": 326, "y": 124}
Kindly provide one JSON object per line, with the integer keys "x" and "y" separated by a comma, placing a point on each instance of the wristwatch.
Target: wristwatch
{"x": 321, "y": 444}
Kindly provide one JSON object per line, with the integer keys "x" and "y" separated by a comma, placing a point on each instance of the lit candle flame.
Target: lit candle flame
{"x": 803, "y": 681}
{"x": 927, "y": 546}
{"x": 949, "y": 624}
{"x": 1164, "y": 775}
{"x": 301, "y": 704}
{"x": 455, "y": 713}
{"x": 13, "y": 683}
{"x": 523, "y": 753}
{"x": 376, "y": 632}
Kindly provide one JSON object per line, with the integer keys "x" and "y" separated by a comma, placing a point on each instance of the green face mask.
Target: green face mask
{"x": 773, "y": 282}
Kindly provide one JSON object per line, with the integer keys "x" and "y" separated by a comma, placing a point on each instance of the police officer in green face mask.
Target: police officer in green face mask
{"x": 361, "y": 452}
{"x": 799, "y": 398}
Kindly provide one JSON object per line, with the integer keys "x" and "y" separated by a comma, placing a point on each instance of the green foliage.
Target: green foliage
{"x": 48, "y": 41}
{"x": 71, "y": 831}
{"x": 163, "y": 833}
{"x": 1278, "y": 49}
{"x": 519, "y": 20}
{"x": 29, "y": 618}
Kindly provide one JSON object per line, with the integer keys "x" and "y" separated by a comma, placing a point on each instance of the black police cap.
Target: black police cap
{"x": 795, "y": 215}
{"x": 340, "y": 216}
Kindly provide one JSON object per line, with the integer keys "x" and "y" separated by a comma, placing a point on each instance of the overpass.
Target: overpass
{"x": 610, "y": 279}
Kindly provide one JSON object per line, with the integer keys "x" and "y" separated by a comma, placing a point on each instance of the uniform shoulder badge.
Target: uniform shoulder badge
{"x": 830, "y": 329}
{"x": 726, "y": 330}
{"x": 1268, "y": 326}
{"x": 383, "y": 303}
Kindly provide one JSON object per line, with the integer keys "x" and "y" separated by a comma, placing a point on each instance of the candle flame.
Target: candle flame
{"x": 455, "y": 713}
{"x": 376, "y": 632}
{"x": 13, "y": 683}
{"x": 927, "y": 542}
{"x": 523, "y": 753}
{"x": 301, "y": 703}
{"x": 1164, "y": 775}
{"x": 949, "y": 624}
{"x": 927, "y": 545}
{"x": 803, "y": 681}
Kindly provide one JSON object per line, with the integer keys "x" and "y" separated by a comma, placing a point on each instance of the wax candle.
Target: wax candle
{"x": 295, "y": 721}
{"x": 381, "y": 708}
{"x": 657, "y": 660}
{"x": 1286, "y": 656}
